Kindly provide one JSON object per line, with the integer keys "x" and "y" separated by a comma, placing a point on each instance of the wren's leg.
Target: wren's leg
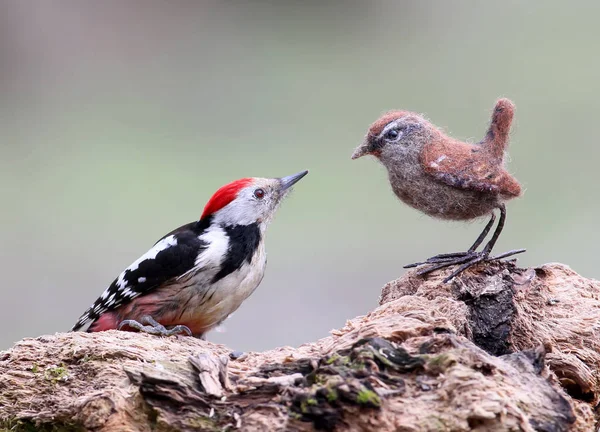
{"x": 484, "y": 255}
{"x": 483, "y": 234}
{"x": 471, "y": 257}
{"x": 451, "y": 257}
{"x": 151, "y": 326}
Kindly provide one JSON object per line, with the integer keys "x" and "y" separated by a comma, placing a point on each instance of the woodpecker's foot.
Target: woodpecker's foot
{"x": 465, "y": 259}
{"x": 151, "y": 326}
{"x": 237, "y": 355}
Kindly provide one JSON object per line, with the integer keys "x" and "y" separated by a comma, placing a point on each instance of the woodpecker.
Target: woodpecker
{"x": 447, "y": 178}
{"x": 194, "y": 277}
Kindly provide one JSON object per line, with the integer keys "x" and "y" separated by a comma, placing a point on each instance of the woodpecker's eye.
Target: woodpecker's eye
{"x": 259, "y": 193}
{"x": 392, "y": 134}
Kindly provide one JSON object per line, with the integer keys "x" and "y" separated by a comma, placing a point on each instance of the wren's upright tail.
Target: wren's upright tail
{"x": 496, "y": 138}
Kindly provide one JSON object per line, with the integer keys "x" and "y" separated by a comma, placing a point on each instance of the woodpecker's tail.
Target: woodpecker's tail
{"x": 84, "y": 320}
{"x": 79, "y": 326}
{"x": 496, "y": 138}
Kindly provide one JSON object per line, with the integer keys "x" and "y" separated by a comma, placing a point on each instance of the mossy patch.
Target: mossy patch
{"x": 368, "y": 398}
{"x": 337, "y": 359}
{"x": 440, "y": 363}
{"x": 331, "y": 395}
{"x": 55, "y": 374}
{"x": 332, "y": 359}
{"x": 342, "y": 380}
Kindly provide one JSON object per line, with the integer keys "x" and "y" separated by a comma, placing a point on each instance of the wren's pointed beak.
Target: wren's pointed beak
{"x": 289, "y": 181}
{"x": 362, "y": 150}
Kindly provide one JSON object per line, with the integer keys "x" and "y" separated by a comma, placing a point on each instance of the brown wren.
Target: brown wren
{"x": 447, "y": 178}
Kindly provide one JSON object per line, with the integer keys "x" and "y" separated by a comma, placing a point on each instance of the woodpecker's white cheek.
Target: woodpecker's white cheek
{"x": 215, "y": 253}
{"x": 241, "y": 211}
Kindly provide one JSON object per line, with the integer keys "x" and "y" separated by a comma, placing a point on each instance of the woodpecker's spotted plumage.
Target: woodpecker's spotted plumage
{"x": 171, "y": 257}
{"x": 200, "y": 273}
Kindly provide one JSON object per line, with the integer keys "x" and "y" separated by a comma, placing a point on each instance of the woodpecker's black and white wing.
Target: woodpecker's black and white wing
{"x": 171, "y": 257}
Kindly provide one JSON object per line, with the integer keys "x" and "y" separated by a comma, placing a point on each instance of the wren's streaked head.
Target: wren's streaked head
{"x": 395, "y": 134}
{"x": 249, "y": 200}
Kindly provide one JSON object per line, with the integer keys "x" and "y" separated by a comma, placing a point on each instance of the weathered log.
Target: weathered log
{"x": 498, "y": 349}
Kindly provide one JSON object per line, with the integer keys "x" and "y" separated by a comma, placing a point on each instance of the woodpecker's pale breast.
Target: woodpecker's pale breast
{"x": 227, "y": 274}
{"x": 206, "y": 308}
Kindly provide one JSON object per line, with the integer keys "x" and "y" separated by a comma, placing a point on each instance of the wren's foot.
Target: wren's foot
{"x": 470, "y": 257}
{"x": 442, "y": 258}
{"x": 465, "y": 259}
{"x": 151, "y": 326}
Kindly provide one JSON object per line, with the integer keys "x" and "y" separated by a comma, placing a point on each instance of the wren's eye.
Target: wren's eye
{"x": 392, "y": 134}
{"x": 259, "y": 193}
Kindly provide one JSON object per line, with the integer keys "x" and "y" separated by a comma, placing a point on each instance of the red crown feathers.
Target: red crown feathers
{"x": 224, "y": 196}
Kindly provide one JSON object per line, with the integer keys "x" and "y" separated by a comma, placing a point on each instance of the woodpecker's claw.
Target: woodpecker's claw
{"x": 151, "y": 326}
{"x": 237, "y": 355}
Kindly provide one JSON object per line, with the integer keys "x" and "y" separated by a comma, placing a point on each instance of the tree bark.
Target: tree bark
{"x": 497, "y": 349}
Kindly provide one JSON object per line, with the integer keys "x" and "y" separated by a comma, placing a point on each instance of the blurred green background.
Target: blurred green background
{"x": 119, "y": 119}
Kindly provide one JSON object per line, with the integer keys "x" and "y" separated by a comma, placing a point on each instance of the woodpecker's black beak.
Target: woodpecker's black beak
{"x": 289, "y": 181}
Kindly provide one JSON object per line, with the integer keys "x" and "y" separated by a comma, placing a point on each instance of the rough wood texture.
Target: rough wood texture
{"x": 498, "y": 349}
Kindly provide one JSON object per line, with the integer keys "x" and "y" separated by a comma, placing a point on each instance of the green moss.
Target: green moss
{"x": 332, "y": 359}
{"x": 337, "y": 360}
{"x": 386, "y": 362}
{"x": 331, "y": 395}
{"x": 303, "y": 407}
{"x": 441, "y": 362}
{"x": 293, "y": 414}
{"x": 35, "y": 368}
{"x": 357, "y": 365}
{"x": 368, "y": 397}
{"x": 56, "y": 373}
{"x": 306, "y": 403}
{"x": 320, "y": 379}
